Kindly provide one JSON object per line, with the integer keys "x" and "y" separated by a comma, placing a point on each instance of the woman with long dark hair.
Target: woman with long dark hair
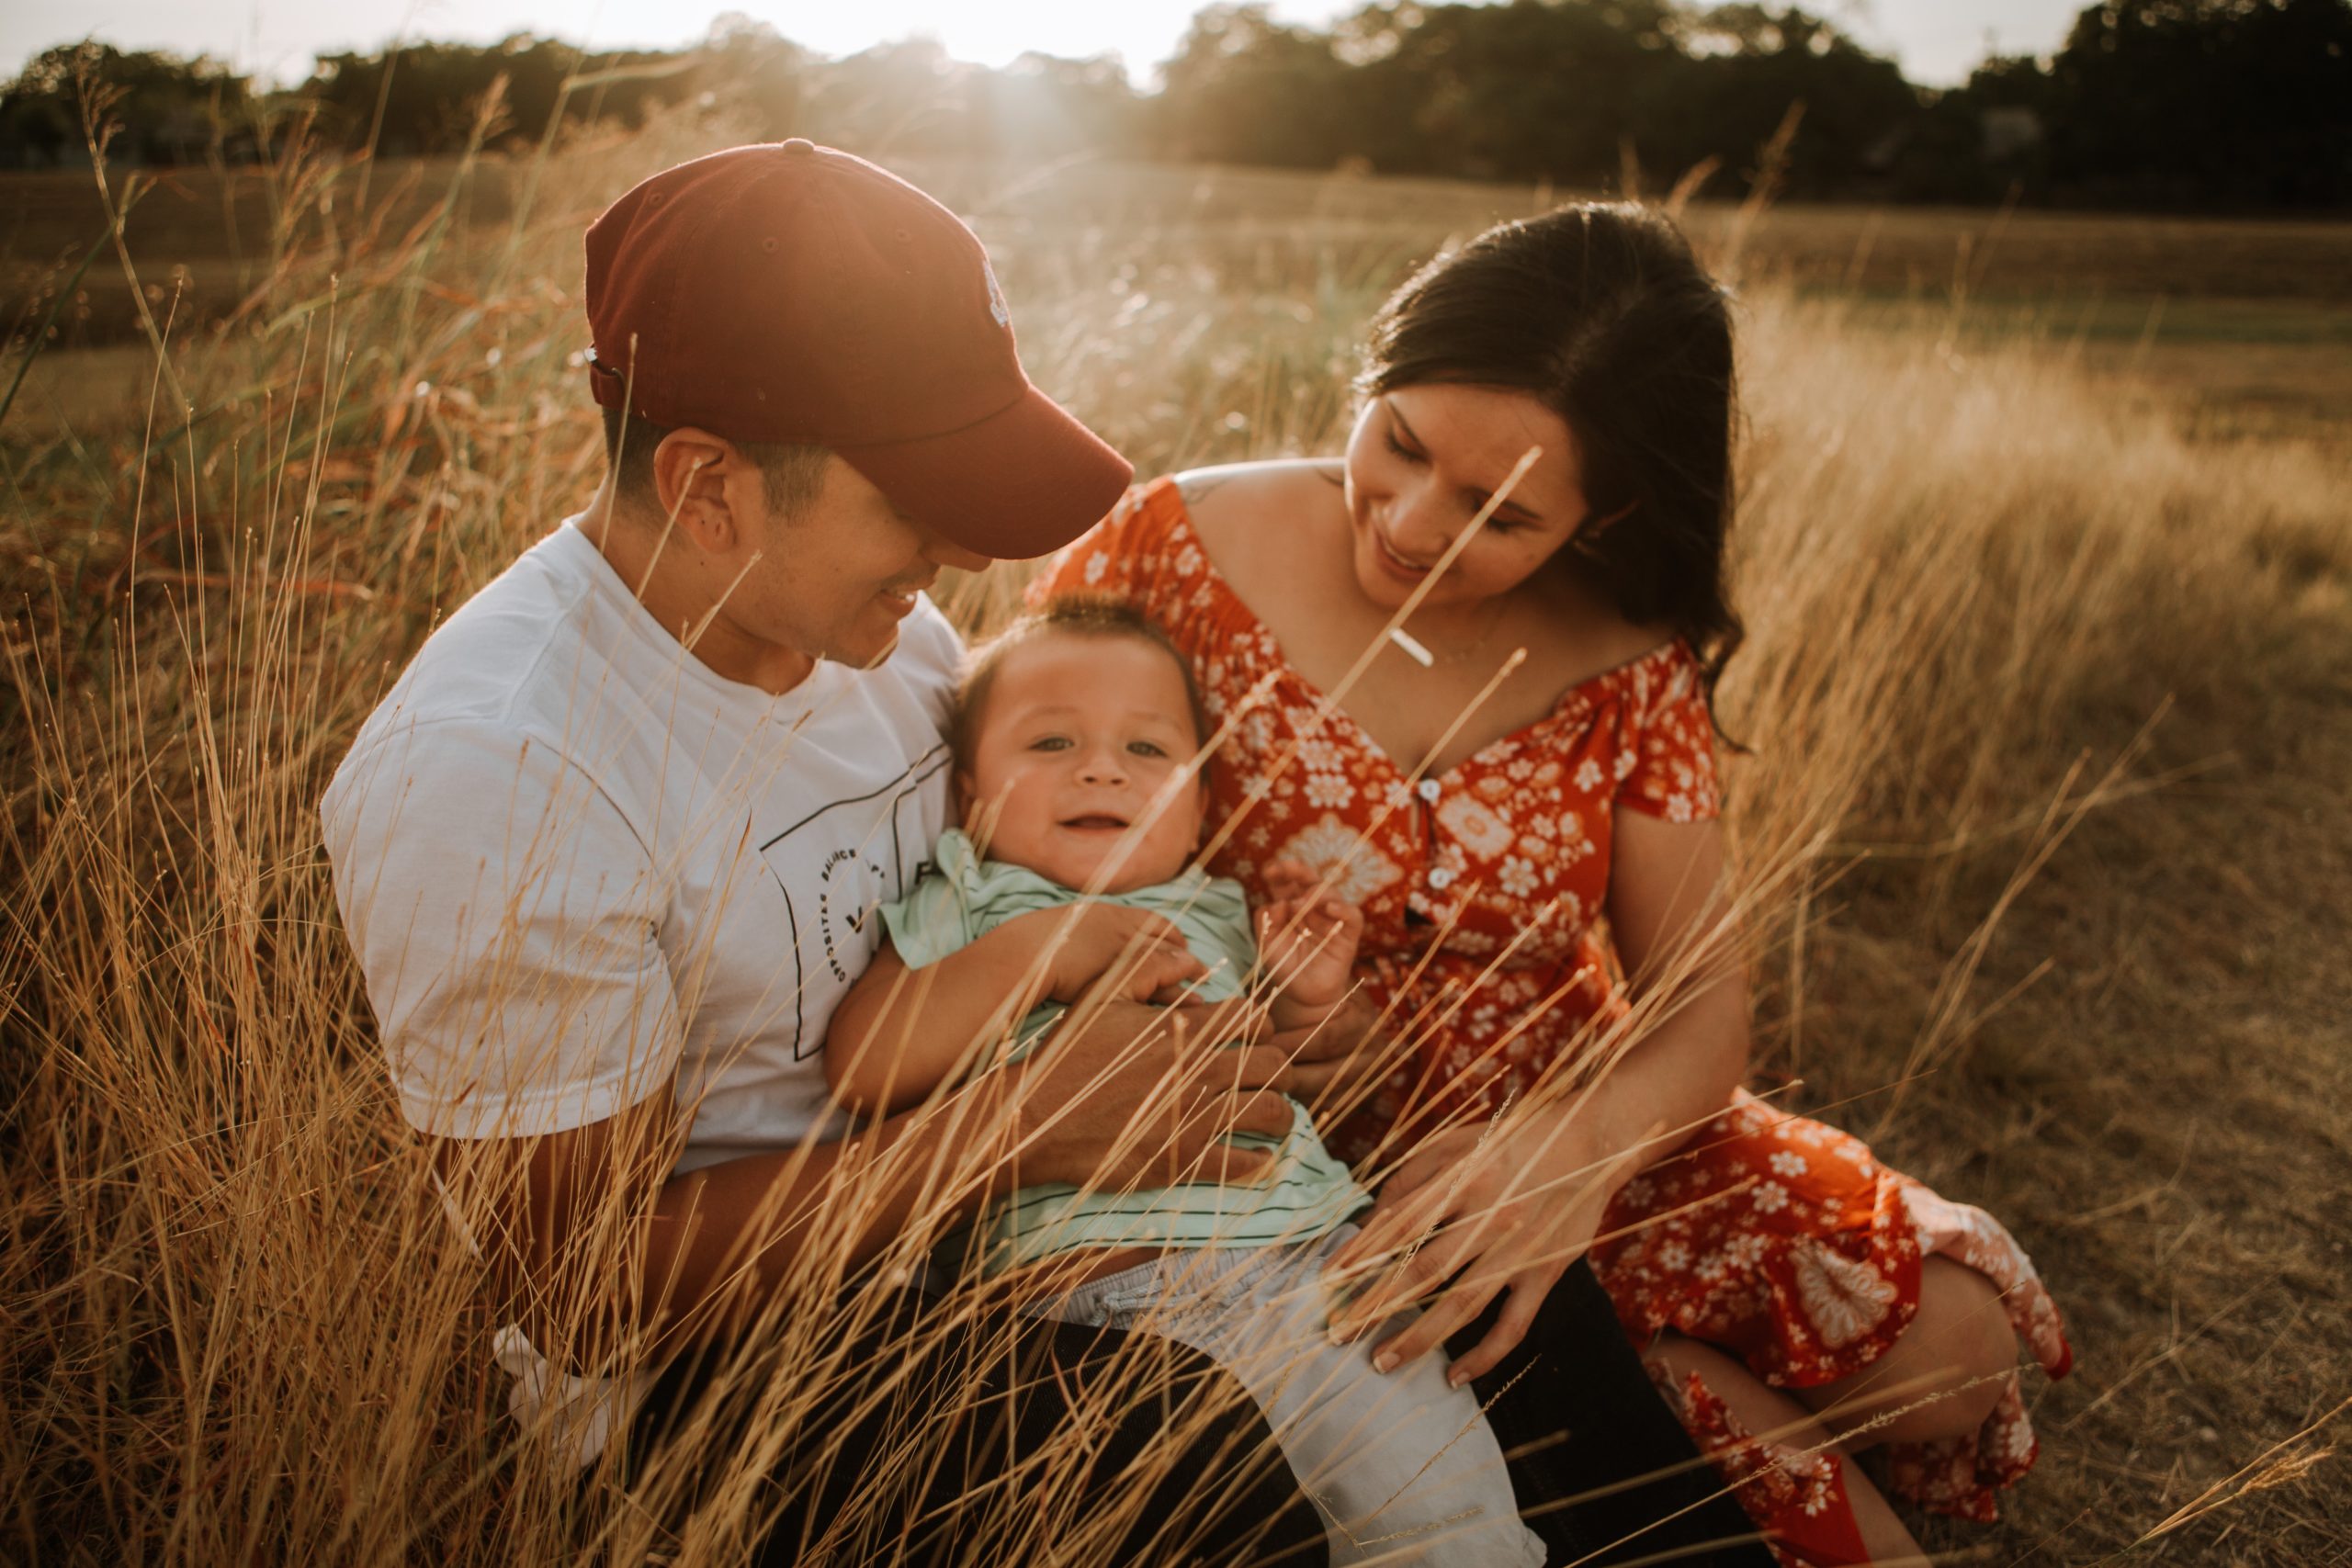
{"x": 1468, "y": 671}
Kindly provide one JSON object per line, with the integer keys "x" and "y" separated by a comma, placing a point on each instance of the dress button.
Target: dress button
{"x": 1441, "y": 879}
{"x": 1429, "y": 789}
{"x": 799, "y": 145}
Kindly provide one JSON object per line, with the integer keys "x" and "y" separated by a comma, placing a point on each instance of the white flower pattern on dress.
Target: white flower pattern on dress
{"x": 1328, "y": 790}
{"x": 1844, "y": 1298}
{"x": 1475, "y": 828}
{"x": 1338, "y": 853}
{"x": 1772, "y": 1233}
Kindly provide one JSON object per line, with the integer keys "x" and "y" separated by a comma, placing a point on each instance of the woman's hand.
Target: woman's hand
{"x": 1490, "y": 1210}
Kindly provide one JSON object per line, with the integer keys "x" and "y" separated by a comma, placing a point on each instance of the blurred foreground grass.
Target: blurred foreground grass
{"x": 2047, "y": 694}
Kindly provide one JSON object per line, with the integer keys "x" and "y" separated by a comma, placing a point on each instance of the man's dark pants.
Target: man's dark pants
{"x": 1602, "y": 1472}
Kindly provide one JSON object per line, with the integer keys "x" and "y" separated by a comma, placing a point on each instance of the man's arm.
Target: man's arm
{"x": 593, "y": 1241}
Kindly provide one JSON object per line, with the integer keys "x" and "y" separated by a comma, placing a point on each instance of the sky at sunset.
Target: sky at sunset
{"x": 1936, "y": 41}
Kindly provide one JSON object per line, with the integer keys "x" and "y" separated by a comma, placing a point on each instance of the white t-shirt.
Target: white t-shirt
{"x": 572, "y": 860}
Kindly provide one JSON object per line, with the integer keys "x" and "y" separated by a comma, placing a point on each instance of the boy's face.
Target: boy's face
{"x": 1082, "y": 769}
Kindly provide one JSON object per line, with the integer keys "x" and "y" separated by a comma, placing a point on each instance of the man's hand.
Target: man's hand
{"x": 1132, "y": 954}
{"x": 584, "y": 1231}
{"x": 1332, "y": 1064}
{"x": 1307, "y": 939}
{"x": 1128, "y": 1096}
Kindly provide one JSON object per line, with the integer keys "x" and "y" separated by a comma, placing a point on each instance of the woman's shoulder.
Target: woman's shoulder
{"x": 1229, "y": 506}
{"x": 1238, "y": 493}
{"x": 1168, "y": 540}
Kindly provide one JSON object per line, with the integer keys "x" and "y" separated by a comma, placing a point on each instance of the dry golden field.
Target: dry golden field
{"x": 2044, "y": 549}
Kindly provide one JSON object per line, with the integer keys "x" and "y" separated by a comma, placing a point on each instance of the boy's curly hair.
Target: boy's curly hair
{"x": 1079, "y": 614}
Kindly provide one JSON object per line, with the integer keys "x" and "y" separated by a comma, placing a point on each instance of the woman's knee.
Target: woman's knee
{"x": 1942, "y": 1378}
{"x": 1966, "y": 1330}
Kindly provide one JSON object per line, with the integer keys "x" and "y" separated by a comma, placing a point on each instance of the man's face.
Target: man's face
{"x": 834, "y": 578}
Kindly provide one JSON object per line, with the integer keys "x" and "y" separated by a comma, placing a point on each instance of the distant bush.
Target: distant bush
{"x": 2169, "y": 104}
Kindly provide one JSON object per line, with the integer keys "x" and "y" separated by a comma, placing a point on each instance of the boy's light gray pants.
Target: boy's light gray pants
{"x": 1403, "y": 1468}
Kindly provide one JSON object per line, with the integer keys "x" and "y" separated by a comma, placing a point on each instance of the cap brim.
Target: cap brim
{"x": 1024, "y": 482}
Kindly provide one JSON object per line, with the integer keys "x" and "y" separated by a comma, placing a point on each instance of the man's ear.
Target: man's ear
{"x": 700, "y": 479}
{"x": 963, "y": 806}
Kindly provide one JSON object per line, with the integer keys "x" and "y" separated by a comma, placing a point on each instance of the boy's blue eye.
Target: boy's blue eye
{"x": 1147, "y": 748}
{"x": 1050, "y": 743}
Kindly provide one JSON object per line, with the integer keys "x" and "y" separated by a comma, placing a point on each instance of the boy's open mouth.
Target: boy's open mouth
{"x": 1096, "y": 821}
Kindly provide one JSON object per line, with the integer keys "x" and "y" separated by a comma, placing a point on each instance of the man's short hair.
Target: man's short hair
{"x": 792, "y": 474}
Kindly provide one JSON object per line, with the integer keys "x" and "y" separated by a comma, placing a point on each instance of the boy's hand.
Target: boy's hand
{"x": 1131, "y": 954}
{"x": 1307, "y": 939}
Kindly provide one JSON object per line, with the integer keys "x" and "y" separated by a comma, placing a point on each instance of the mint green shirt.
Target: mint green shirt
{"x": 962, "y": 898}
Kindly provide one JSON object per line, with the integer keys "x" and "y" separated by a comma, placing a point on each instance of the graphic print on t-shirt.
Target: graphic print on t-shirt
{"x": 836, "y": 867}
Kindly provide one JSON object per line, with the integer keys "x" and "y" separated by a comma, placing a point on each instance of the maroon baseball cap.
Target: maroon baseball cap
{"x": 788, "y": 292}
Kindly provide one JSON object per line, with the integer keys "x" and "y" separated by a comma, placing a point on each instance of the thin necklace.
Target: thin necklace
{"x": 1420, "y": 653}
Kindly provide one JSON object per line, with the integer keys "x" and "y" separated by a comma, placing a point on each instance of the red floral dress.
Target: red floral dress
{"x": 1774, "y": 1237}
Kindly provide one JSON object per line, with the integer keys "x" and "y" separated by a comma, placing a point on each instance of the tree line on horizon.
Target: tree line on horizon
{"x": 2177, "y": 105}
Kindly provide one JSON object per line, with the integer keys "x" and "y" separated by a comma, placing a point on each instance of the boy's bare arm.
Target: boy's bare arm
{"x": 902, "y": 1032}
{"x": 1287, "y": 1014}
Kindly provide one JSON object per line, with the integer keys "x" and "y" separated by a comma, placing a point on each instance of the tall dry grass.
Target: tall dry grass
{"x": 238, "y": 1326}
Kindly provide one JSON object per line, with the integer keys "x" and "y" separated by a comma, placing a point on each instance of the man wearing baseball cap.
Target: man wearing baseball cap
{"x": 610, "y": 851}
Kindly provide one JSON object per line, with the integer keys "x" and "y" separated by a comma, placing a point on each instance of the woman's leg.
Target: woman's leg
{"x": 1787, "y": 1244}
{"x": 1772, "y": 1417}
{"x": 1940, "y": 1379}
{"x": 1603, "y": 1471}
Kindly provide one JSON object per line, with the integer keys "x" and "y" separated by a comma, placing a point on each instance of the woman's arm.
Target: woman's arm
{"x": 900, "y": 1033}
{"x": 1510, "y": 1209}
{"x": 1670, "y": 917}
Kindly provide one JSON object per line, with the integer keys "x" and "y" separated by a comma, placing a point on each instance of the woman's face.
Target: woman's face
{"x": 1423, "y": 461}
